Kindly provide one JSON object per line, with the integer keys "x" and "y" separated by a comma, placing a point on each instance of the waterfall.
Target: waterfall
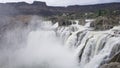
{"x": 52, "y": 46}
{"x": 43, "y": 49}
{"x": 93, "y": 48}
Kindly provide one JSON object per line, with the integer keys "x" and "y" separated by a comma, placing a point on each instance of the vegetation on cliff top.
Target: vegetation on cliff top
{"x": 104, "y": 19}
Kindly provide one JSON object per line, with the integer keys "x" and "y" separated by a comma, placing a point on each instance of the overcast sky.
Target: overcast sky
{"x": 64, "y": 2}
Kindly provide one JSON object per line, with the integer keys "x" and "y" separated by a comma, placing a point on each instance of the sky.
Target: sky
{"x": 64, "y": 2}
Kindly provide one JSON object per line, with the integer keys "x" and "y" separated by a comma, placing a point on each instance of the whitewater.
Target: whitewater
{"x": 52, "y": 46}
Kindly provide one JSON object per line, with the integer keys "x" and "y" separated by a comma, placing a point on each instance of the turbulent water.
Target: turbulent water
{"x": 51, "y": 46}
{"x": 92, "y": 48}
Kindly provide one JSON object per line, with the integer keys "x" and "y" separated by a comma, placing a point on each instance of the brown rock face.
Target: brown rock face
{"x": 111, "y": 65}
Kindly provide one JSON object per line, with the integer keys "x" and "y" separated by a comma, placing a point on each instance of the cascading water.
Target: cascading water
{"x": 93, "y": 48}
{"x": 43, "y": 49}
{"x": 53, "y": 46}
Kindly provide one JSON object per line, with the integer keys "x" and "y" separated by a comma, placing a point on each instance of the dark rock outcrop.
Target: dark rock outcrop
{"x": 104, "y": 23}
{"x": 114, "y": 62}
{"x": 64, "y": 22}
{"x": 115, "y": 58}
{"x": 38, "y": 3}
{"x": 111, "y": 65}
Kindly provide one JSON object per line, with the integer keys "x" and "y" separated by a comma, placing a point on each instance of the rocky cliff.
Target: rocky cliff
{"x": 40, "y": 8}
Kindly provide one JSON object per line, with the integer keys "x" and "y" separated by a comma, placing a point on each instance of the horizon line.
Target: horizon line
{"x": 59, "y": 5}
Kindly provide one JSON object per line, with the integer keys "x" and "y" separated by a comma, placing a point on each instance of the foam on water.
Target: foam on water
{"x": 43, "y": 50}
{"x": 53, "y": 46}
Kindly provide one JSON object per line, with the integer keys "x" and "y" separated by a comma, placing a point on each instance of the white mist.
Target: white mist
{"x": 43, "y": 50}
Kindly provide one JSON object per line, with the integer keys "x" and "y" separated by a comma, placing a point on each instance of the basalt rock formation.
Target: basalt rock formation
{"x": 40, "y": 8}
{"x": 104, "y": 23}
{"x": 111, "y": 65}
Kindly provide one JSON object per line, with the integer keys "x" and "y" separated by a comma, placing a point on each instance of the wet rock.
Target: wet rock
{"x": 111, "y": 65}
{"x": 82, "y": 22}
{"x": 64, "y": 22}
{"x": 115, "y": 58}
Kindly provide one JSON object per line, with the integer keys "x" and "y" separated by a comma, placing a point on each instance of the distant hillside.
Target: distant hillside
{"x": 40, "y": 8}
